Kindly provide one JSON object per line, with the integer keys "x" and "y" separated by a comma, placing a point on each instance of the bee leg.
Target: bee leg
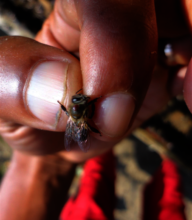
{"x": 91, "y": 112}
{"x": 94, "y": 130}
{"x": 79, "y": 91}
{"x": 63, "y": 108}
{"x": 93, "y": 101}
{"x": 92, "y": 104}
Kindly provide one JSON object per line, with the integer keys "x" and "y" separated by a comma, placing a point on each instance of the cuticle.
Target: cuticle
{"x": 58, "y": 115}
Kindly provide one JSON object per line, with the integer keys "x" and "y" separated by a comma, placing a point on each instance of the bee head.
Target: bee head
{"x": 79, "y": 99}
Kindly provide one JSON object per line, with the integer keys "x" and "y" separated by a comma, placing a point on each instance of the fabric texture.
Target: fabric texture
{"x": 163, "y": 197}
{"x": 95, "y": 200}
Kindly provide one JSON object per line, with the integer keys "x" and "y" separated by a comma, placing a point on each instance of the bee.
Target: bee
{"x": 77, "y": 128}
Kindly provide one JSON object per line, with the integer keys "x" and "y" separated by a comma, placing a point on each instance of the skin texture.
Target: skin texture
{"x": 116, "y": 42}
{"x": 99, "y": 63}
{"x": 39, "y": 189}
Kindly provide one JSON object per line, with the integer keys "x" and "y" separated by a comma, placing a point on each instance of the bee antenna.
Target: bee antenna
{"x": 59, "y": 102}
{"x": 78, "y": 91}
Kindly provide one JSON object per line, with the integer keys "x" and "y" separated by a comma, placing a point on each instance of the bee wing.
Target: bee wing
{"x": 77, "y": 133}
{"x": 68, "y": 138}
{"x": 83, "y": 139}
{"x": 85, "y": 145}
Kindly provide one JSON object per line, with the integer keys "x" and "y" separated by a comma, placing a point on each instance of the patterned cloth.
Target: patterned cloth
{"x": 95, "y": 199}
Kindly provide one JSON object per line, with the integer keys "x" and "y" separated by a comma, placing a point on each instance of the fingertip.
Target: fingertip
{"x": 45, "y": 35}
{"x": 187, "y": 90}
{"x": 178, "y": 82}
{"x": 114, "y": 114}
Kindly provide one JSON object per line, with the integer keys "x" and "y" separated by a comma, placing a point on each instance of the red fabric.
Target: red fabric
{"x": 163, "y": 198}
{"x": 96, "y": 197}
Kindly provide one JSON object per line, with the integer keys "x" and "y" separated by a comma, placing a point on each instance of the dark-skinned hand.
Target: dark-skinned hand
{"x": 107, "y": 48}
{"x": 116, "y": 43}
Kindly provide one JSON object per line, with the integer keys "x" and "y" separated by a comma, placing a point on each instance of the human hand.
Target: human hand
{"x": 33, "y": 77}
{"x": 156, "y": 92}
{"x": 109, "y": 65}
{"x": 29, "y": 70}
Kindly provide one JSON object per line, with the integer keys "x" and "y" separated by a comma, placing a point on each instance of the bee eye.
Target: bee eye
{"x": 77, "y": 100}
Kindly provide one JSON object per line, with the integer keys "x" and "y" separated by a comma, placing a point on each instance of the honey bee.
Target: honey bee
{"x": 77, "y": 128}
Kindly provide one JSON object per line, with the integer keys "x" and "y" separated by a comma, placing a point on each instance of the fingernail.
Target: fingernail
{"x": 114, "y": 114}
{"x": 45, "y": 86}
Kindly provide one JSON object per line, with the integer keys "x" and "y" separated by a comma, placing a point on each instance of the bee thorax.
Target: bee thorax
{"x": 77, "y": 111}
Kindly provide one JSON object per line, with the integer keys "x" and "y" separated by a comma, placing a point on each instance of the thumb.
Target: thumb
{"x": 33, "y": 77}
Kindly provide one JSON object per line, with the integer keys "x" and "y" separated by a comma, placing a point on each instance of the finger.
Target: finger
{"x": 61, "y": 28}
{"x": 171, "y": 20}
{"x": 177, "y": 84}
{"x": 176, "y": 54}
{"x": 187, "y": 91}
{"x": 187, "y": 5}
{"x": 33, "y": 77}
{"x": 117, "y": 53}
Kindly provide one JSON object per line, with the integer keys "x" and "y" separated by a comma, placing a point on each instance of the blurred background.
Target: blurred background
{"x": 168, "y": 134}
